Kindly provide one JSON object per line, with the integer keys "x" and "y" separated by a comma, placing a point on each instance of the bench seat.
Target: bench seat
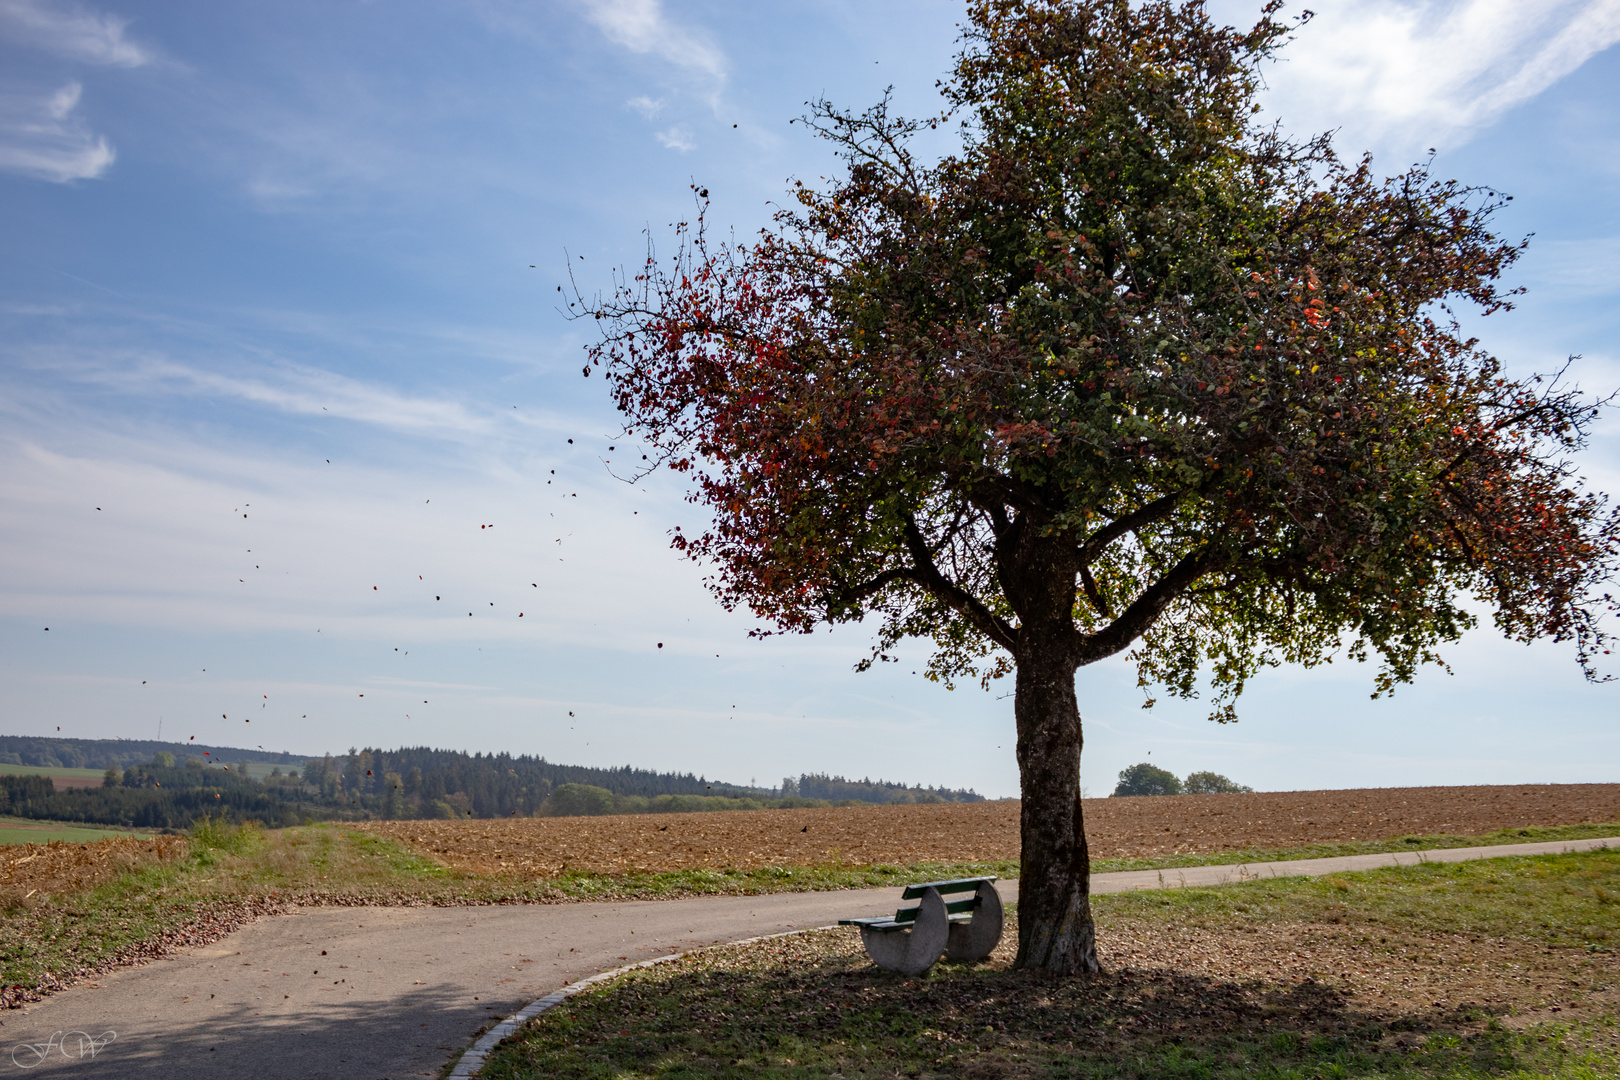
{"x": 894, "y": 922}
{"x": 913, "y": 938}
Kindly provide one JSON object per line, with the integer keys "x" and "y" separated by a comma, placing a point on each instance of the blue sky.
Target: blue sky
{"x": 279, "y": 334}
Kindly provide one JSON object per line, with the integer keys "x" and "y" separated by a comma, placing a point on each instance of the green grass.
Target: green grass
{"x": 44, "y": 944}
{"x": 812, "y": 1006}
{"x": 48, "y": 770}
{"x": 28, "y": 831}
{"x": 1560, "y": 901}
{"x": 1430, "y": 842}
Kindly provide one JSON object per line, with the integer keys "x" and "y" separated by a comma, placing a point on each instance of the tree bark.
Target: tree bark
{"x": 1055, "y": 930}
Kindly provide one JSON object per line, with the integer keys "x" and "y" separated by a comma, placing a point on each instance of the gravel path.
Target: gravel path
{"x": 392, "y": 993}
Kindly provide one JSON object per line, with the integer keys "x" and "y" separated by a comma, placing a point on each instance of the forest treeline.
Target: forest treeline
{"x": 415, "y": 782}
{"x": 60, "y": 753}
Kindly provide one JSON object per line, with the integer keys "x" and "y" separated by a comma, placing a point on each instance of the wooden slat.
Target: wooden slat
{"x": 914, "y": 892}
{"x": 910, "y": 914}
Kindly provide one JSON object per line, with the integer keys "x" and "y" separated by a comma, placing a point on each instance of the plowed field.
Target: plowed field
{"x": 988, "y": 831}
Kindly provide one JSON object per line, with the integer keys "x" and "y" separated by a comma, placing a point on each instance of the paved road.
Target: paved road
{"x": 374, "y": 993}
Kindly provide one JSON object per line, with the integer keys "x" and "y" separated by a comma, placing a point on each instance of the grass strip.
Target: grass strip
{"x": 30, "y": 831}
{"x": 1464, "y": 971}
{"x": 1333, "y": 849}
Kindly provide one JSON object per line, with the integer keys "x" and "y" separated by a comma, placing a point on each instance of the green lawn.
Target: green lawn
{"x": 1499, "y": 968}
{"x": 48, "y": 770}
{"x": 28, "y": 831}
{"x": 1530, "y": 835}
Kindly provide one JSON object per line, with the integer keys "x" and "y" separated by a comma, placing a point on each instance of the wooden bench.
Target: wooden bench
{"x": 914, "y": 938}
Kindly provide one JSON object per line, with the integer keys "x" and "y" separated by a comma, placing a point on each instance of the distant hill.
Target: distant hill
{"x": 59, "y": 753}
{"x": 169, "y": 785}
{"x": 837, "y": 789}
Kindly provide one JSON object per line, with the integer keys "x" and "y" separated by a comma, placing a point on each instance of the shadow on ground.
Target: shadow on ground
{"x": 841, "y": 1016}
{"x": 352, "y": 1041}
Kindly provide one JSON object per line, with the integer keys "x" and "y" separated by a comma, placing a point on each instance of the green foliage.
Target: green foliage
{"x": 575, "y": 800}
{"x": 216, "y": 834}
{"x": 1127, "y": 369}
{"x": 838, "y": 789}
{"x": 1146, "y": 779}
{"x": 98, "y": 754}
{"x": 1213, "y": 783}
{"x": 406, "y": 783}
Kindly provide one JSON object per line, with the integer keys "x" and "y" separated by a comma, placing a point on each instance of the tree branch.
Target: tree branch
{"x": 1140, "y": 615}
{"x": 1098, "y": 541}
{"x": 927, "y": 575}
{"x": 848, "y": 594}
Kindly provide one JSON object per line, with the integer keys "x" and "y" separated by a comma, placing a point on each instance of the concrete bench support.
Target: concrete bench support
{"x": 977, "y": 938}
{"x": 913, "y": 951}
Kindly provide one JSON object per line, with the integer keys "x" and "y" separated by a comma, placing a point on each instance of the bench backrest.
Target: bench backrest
{"x": 967, "y": 884}
{"x": 944, "y": 888}
{"x": 953, "y": 907}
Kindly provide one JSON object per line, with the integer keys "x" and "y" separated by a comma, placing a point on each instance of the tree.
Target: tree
{"x": 1146, "y": 779}
{"x": 1124, "y": 372}
{"x": 1212, "y": 783}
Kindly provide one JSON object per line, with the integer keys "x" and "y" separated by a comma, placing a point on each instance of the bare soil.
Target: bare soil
{"x": 62, "y": 783}
{"x": 988, "y": 831}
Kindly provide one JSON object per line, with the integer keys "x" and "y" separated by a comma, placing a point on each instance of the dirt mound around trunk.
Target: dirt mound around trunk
{"x": 988, "y": 831}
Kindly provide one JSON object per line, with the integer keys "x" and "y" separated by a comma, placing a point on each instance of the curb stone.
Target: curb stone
{"x": 472, "y": 1060}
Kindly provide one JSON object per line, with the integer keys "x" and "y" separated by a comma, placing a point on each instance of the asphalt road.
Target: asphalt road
{"x": 369, "y": 993}
{"x": 392, "y": 993}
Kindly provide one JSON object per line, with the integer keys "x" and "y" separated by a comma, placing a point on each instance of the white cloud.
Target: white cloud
{"x": 1430, "y": 72}
{"x": 71, "y": 30}
{"x": 641, "y": 26}
{"x": 291, "y": 388}
{"x": 40, "y": 137}
{"x": 646, "y": 106}
{"x": 176, "y": 550}
{"x": 678, "y": 137}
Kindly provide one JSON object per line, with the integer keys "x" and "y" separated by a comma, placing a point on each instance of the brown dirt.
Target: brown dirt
{"x": 988, "y": 831}
{"x": 1396, "y": 974}
{"x": 31, "y": 870}
{"x": 62, "y": 783}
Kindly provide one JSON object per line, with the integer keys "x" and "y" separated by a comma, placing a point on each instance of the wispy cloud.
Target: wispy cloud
{"x": 40, "y": 137}
{"x": 71, "y": 30}
{"x": 294, "y": 388}
{"x": 678, "y": 137}
{"x": 1433, "y": 72}
{"x": 646, "y": 106}
{"x": 1588, "y": 267}
{"x": 642, "y": 26}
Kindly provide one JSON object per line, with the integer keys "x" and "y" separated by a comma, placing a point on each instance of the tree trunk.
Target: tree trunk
{"x": 1055, "y": 931}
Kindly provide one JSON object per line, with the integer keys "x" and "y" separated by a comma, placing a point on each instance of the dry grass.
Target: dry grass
{"x": 988, "y": 831}
{"x": 28, "y": 871}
